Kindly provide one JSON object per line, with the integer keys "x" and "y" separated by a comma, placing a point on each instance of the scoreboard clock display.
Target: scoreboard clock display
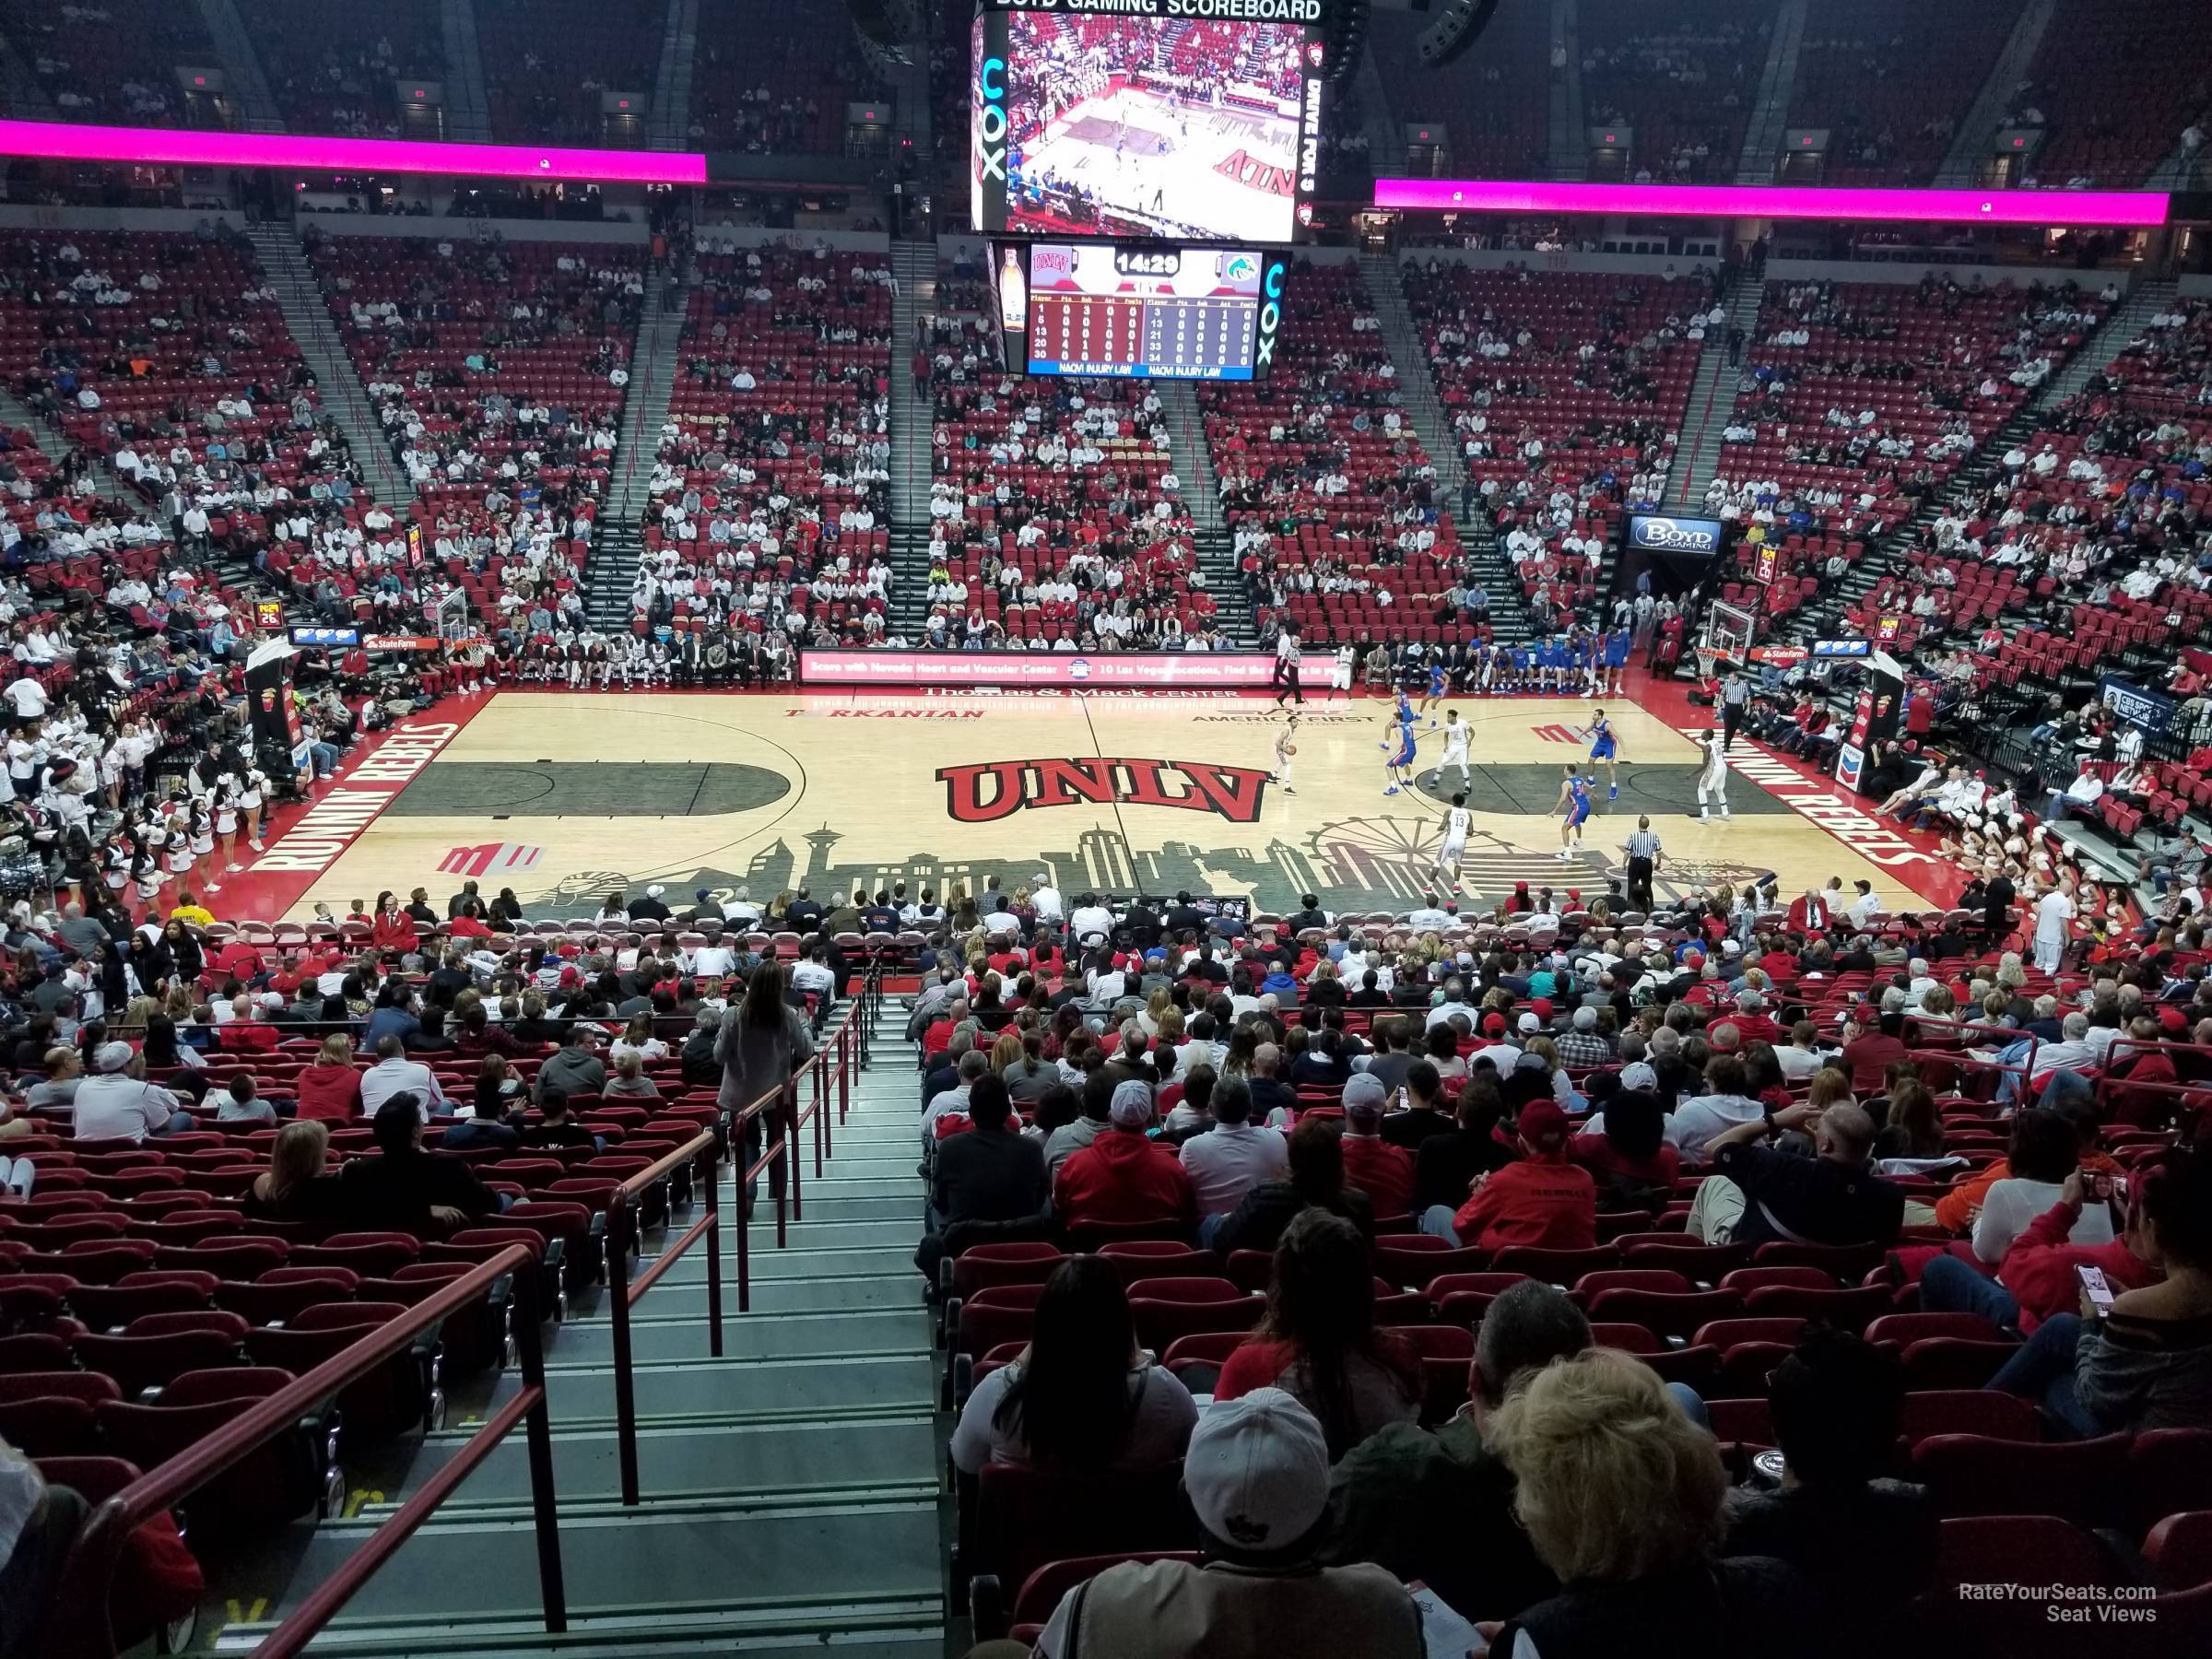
{"x": 1148, "y": 311}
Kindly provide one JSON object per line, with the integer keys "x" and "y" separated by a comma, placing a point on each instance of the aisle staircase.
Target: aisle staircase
{"x": 1761, "y": 156}
{"x": 1509, "y": 621}
{"x": 1970, "y": 144}
{"x": 1193, "y": 464}
{"x": 234, "y": 48}
{"x": 915, "y": 267}
{"x": 1823, "y": 617}
{"x": 669, "y": 125}
{"x": 790, "y": 1488}
{"x": 617, "y": 545}
{"x": 1713, "y": 399}
{"x": 337, "y": 385}
{"x": 467, "y": 108}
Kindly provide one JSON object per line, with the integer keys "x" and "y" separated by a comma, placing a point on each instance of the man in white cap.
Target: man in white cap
{"x": 1257, "y": 1473}
{"x": 649, "y": 907}
{"x": 117, "y": 1103}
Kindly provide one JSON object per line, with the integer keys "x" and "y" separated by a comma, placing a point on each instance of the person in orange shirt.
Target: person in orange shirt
{"x": 1541, "y": 1199}
{"x": 1382, "y": 1172}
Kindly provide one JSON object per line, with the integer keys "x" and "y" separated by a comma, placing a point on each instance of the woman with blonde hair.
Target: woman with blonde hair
{"x": 630, "y": 1081}
{"x": 330, "y": 1089}
{"x": 1171, "y": 1028}
{"x": 295, "y": 1187}
{"x": 1621, "y": 1497}
{"x": 1005, "y": 1052}
{"x": 1156, "y": 1004}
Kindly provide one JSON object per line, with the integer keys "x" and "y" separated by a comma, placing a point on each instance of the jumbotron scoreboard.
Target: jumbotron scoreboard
{"x": 1138, "y": 311}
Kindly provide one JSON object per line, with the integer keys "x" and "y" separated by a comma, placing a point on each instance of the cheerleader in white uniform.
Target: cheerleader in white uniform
{"x": 253, "y": 805}
{"x": 199, "y": 826}
{"x": 118, "y": 854}
{"x": 145, "y": 871}
{"x": 225, "y": 820}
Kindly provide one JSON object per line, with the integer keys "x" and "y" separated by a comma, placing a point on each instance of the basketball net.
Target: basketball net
{"x": 1708, "y": 662}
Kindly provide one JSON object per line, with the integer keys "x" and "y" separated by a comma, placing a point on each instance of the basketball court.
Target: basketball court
{"x": 1150, "y": 155}
{"x": 569, "y": 798}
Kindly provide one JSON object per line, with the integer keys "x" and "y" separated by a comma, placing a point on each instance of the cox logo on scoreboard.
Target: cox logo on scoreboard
{"x": 1655, "y": 534}
{"x": 989, "y": 125}
{"x": 1271, "y": 281}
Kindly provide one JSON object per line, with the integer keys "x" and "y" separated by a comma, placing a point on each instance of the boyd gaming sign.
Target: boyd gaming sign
{"x": 1656, "y": 532}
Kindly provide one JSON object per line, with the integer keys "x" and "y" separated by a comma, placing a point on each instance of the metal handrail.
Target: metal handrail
{"x": 703, "y": 1151}
{"x": 81, "y": 1630}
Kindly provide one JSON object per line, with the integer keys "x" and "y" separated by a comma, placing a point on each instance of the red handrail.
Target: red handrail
{"x": 1965, "y": 1058}
{"x": 703, "y": 1151}
{"x": 81, "y": 1630}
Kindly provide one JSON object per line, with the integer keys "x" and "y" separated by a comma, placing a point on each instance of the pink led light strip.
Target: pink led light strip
{"x": 172, "y": 147}
{"x": 2123, "y": 208}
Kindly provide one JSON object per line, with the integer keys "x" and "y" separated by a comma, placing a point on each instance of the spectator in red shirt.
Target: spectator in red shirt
{"x": 1868, "y": 1053}
{"x": 1382, "y": 1172}
{"x": 467, "y": 926}
{"x": 938, "y": 1038}
{"x": 393, "y": 929}
{"x": 1541, "y": 1199}
{"x": 1751, "y": 1020}
{"x": 1629, "y": 1158}
{"x": 331, "y": 1088}
{"x": 1122, "y": 1177}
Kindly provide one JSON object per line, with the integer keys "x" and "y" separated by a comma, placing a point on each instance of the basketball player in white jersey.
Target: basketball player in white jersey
{"x": 1285, "y": 746}
{"x": 1456, "y": 822}
{"x": 1455, "y": 750}
{"x": 1712, "y": 780}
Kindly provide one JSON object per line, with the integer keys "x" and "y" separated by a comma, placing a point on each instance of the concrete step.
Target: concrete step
{"x": 754, "y": 1463}
{"x": 750, "y": 1390}
{"x": 672, "y": 1334}
{"x": 680, "y": 1562}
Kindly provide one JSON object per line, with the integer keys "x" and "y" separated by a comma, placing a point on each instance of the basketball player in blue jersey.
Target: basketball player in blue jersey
{"x": 1573, "y": 808}
{"x": 1590, "y": 651}
{"x": 1399, "y": 767}
{"x": 1525, "y": 667}
{"x": 1617, "y": 659}
{"x": 1603, "y": 747}
{"x": 1439, "y": 682}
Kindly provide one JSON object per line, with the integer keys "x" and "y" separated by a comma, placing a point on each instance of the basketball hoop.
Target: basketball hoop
{"x": 1708, "y": 663}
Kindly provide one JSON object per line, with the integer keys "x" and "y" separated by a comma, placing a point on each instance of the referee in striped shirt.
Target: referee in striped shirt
{"x": 1643, "y": 847}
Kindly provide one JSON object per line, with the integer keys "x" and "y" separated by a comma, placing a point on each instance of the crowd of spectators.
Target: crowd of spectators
{"x": 1760, "y": 1077}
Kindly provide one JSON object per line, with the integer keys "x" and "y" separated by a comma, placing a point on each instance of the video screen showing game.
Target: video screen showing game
{"x": 1183, "y": 128}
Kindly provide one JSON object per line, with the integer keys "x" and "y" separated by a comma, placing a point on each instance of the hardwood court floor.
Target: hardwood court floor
{"x": 566, "y": 798}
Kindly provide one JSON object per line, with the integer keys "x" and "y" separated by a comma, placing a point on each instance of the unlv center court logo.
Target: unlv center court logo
{"x": 492, "y": 858}
{"x": 1557, "y": 734}
{"x": 997, "y": 789}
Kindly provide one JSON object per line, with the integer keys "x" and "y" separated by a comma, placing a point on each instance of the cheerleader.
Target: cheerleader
{"x": 253, "y": 806}
{"x": 119, "y": 854}
{"x": 199, "y": 830}
{"x": 225, "y": 820}
{"x": 176, "y": 845}
{"x": 146, "y": 870}
{"x": 109, "y": 770}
